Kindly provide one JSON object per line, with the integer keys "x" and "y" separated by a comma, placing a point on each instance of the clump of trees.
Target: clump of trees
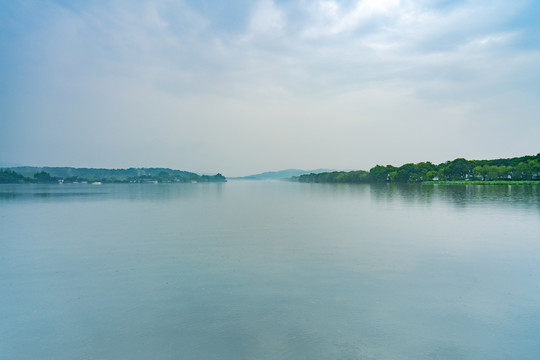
{"x": 212, "y": 178}
{"x": 520, "y": 168}
{"x": 45, "y": 178}
{"x": 165, "y": 177}
{"x": 11, "y": 177}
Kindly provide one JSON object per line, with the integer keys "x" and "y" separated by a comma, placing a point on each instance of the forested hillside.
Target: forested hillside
{"x": 28, "y": 174}
{"x": 519, "y": 168}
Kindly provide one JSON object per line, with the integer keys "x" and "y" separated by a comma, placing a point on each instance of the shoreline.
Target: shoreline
{"x": 482, "y": 182}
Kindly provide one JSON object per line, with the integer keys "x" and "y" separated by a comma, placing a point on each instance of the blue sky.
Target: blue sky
{"x": 242, "y": 87}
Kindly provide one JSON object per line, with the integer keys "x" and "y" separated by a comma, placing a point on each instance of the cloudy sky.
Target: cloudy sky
{"x": 240, "y": 87}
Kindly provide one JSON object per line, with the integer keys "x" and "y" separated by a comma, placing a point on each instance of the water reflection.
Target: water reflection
{"x": 89, "y": 192}
{"x": 458, "y": 195}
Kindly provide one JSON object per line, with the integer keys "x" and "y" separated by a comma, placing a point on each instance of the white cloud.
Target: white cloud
{"x": 491, "y": 40}
{"x": 267, "y": 19}
{"x": 331, "y": 19}
{"x": 364, "y": 10}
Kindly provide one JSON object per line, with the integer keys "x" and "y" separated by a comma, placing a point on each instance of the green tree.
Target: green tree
{"x": 478, "y": 172}
{"x": 534, "y": 168}
{"x": 492, "y": 172}
{"x": 421, "y": 170}
{"x": 404, "y": 173}
{"x": 11, "y": 177}
{"x": 502, "y": 172}
{"x": 381, "y": 173}
{"x": 430, "y": 175}
{"x": 458, "y": 169}
{"x": 45, "y": 178}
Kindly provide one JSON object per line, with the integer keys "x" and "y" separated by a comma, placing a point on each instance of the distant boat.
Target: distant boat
{"x": 96, "y": 183}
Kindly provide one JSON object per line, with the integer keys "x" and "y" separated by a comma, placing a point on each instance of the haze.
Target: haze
{"x": 241, "y": 87}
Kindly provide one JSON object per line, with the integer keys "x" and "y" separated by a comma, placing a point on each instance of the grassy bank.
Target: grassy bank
{"x": 480, "y": 182}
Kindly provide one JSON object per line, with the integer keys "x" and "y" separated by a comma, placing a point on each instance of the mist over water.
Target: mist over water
{"x": 269, "y": 270}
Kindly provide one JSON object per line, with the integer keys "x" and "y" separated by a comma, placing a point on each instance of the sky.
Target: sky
{"x": 241, "y": 87}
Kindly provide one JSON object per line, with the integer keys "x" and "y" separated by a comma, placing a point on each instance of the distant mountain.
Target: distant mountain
{"x": 277, "y": 175}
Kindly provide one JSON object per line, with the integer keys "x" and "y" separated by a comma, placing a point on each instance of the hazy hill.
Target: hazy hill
{"x": 282, "y": 174}
{"x": 119, "y": 174}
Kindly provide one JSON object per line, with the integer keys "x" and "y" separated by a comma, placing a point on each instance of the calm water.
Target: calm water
{"x": 269, "y": 270}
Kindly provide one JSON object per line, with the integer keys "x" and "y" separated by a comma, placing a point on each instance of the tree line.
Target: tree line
{"x": 525, "y": 168}
{"x": 12, "y": 177}
{"x": 97, "y": 173}
{"x": 8, "y": 176}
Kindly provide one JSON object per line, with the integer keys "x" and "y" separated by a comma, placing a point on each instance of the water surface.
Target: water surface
{"x": 269, "y": 270}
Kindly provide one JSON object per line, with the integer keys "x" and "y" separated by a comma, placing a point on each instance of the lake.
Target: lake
{"x": 269, "y": 270}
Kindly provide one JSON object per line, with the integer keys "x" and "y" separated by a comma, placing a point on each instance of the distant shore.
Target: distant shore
{"x": 68, "y": 175}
